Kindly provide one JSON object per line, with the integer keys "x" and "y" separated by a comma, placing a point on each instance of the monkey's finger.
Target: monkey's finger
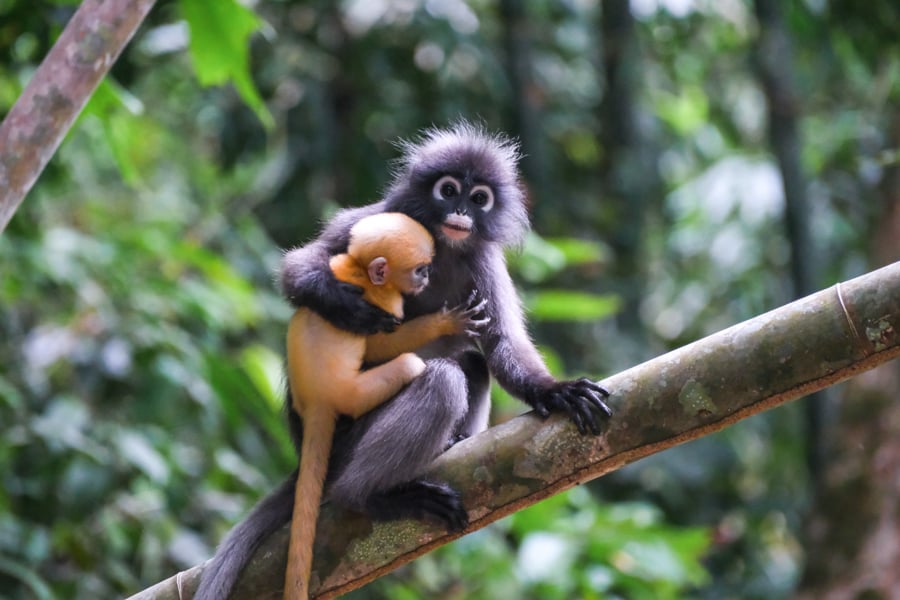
{"x": 479, "y": 322}
{"x": 472, "y": 327}
{"x": 542, "y": 410}
{"x": 589, "y": 417}
{"x": 584, "y": 381}
{"x": 470, "y": 313}
{"x": 595, "y": 410}
{"x": 443, "y": 503}
{"x": 596, "y": 400}
{"x": 573, "y": 409}
{"x": 449, "y": 510}
{"x": 585, "y": 409}
{"x": 477, "y": 308}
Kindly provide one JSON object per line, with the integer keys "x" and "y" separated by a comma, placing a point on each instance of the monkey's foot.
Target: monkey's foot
{"x": 420, "y": 499}
{"x": 455, "y": 439}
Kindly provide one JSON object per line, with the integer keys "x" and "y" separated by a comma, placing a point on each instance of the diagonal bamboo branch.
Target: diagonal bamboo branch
{"x": 701, "y": 388}
{"x": 39, "y": 120}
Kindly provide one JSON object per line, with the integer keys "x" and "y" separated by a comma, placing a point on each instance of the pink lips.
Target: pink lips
{"x": 455, "y": 234}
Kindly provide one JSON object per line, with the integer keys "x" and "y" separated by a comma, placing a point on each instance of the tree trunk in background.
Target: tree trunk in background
{"x": 853, "y": 534}
{"x": 776, "y": 73}
{"x": 631, "y": 179}
{"x": 527, "y": 98}
{"x": 321, "y": 139}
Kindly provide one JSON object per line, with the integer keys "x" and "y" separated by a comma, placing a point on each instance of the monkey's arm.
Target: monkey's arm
{"x": 407, "y": 337}
{"x": 467, "y": 318}
{"x": 513, "y": 359}
{"x": 306, "y": 279}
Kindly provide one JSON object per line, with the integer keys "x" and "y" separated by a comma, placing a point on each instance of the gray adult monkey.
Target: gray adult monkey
{"x": 463, "y": 185}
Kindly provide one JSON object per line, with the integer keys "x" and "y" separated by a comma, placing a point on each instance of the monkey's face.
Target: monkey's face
{"x": 413, "y": 280}
{"x": 463, "y": 185}
{"x": 463, "y": 205}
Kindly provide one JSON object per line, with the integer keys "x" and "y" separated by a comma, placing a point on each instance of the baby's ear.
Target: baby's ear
{"x": 379, "y": 270}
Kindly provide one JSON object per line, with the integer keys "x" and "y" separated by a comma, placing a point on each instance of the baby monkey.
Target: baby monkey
{"x": 389, "y": 255}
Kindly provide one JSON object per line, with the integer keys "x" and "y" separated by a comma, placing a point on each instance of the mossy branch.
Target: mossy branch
{"x": 694, "y": 391}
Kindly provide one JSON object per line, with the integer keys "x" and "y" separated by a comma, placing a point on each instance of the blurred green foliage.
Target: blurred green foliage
{"x": 632, "y": 554}
{"x": 140, "y": 374}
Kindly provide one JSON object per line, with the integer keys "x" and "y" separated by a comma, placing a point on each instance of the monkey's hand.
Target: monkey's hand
{"x": 468, "y": 318}
{"x": 581, "y": 399}
{"x": 342, "y": 304}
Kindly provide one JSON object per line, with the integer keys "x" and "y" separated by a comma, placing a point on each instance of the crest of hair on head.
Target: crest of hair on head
{"x": 437, "y": 144}
{"x": 381, "y": 235}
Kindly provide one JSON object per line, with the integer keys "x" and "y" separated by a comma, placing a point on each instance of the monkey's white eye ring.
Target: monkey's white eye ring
{"x": 483, "y": 197}
{"x": 446, "y": 187}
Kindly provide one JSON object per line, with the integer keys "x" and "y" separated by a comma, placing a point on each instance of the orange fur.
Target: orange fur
{"x": 324, "y": 364}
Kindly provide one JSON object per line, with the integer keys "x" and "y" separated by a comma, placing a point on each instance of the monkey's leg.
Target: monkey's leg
{"x": 371, "y": 388}
{"x": 478, "y": 380}
{"x": 391, "y": 446}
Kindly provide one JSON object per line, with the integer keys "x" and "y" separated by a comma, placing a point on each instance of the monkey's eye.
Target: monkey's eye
{"x": 423, "y": 271}
{"x": 446, "y": 187}
{"x": 482, "y": 197}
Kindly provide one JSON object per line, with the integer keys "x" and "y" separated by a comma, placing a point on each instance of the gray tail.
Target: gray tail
{"x": 271, "y": 513}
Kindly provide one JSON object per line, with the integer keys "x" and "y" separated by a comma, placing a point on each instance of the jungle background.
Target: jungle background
{"x": 690, "y": 164}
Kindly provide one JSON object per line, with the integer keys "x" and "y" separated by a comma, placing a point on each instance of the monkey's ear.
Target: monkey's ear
{"x": 379, "y": 270}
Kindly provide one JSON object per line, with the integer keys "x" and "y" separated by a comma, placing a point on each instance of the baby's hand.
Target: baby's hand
{"x": 468, "y": 318}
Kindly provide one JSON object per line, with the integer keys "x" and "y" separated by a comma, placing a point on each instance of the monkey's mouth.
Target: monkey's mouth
{"x": 456, "y": 228}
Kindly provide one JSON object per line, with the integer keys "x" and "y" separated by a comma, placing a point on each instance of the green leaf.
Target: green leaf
{"x": 265, "y": 369}
{"x": 220, "y": 30}
{"x": 542, "y": 258}
{"x": 538, "y": 260}
{"x": 137, "y": 450}
{"x": 577, "y": 251}
{"x": 238, "y": 397}
{"x": 685, "y": 112}
{"x": 27, "y": 576}
{"x": 131, "y": 139}
{"x": 563, "y": 305}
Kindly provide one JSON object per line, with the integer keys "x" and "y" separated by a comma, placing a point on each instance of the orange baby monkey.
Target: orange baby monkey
{"x": 389, "y": 254}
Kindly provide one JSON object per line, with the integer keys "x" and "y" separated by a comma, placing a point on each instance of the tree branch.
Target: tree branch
{"x": 39, "y": 120}
{"x": 701, "y": 388}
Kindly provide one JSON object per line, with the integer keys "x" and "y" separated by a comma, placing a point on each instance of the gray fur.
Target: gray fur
{"x": 378, "y": 458}
{"x": 374, "y": 464}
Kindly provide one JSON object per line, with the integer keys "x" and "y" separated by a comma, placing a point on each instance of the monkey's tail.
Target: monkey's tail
{"x": 318, "y": 434}
{"x": 271, "y": 513}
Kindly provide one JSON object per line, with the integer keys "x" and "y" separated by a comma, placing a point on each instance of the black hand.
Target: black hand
{"x": 341, "y": 304}
{"x": 358, "y": 316}
{"x": 582, "y": 400}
